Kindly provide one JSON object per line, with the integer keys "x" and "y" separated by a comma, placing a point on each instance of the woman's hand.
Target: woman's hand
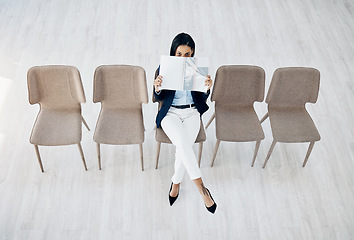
{"x": 157, "y": 83}
{"x": 208, "y": 82}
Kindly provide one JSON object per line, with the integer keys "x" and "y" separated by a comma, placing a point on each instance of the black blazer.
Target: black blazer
{"x": 166, "y": 97}
{"x": 199, "y": 99}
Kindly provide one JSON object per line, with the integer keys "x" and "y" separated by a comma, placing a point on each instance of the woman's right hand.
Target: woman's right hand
{"x": 157, "y": 83}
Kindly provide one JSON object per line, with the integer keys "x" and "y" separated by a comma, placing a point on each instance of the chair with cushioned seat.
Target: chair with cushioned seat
{"x": 236, "y": 89}
{"x": 59, "y": 92}
{"x": 291, "y": 88}
{"x": 121, "y": 89}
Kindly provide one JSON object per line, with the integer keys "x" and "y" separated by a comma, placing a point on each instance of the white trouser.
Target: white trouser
{"x": 182, "y": 127}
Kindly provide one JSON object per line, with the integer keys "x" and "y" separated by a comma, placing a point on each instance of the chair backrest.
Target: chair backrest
{"x": 153, "y": 96}
{"x": 238, "y": 85}
{"x": 120, "y": 86}
{"x": 293, "y": 86}
{"x": 55, "y": 86}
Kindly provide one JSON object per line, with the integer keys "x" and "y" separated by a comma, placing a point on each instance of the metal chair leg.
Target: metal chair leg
{"x": 308, "y": 153}
{"x": 264, "y": 117}
{"x": 215, "y": 151}
{"x": 269, "y": 153}
{"x": 157, "y": 154}
{"x": 141, "y": 156}
{"x": 82, "y": 155}
{"x": 39, "y": 157}
{"x": 255, "y": 152}
{"x": 211, "y": 119}
{"x": 85, "y": 123}
{"x": 200, "y": 153}
{"x": 99, "y": 155}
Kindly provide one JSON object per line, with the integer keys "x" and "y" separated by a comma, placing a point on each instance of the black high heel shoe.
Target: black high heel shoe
{"x": 212, "y": 208}
{"x": 172, "y": 199}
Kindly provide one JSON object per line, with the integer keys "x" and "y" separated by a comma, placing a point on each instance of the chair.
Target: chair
{"x": 291, "y": 88}
{"x": 236, "y": 89}
{"x": 161, "y": 136}
{"x": 59, "y": 92}
{"x": 121, "y": 89}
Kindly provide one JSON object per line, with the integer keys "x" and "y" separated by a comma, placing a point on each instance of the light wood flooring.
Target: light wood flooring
{"x": 282, "y": 201}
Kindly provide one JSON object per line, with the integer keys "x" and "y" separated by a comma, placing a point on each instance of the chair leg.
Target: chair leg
{"x": 141, "y": 156}
{"x": 157, "y": 154}
{"x": 39, "y": 157}
{"x": 264, "y": 117}
{"x": 215, "y": 151}
{"x": 99, "y": 155}
{"x": 255, "y": 152}
{"x": 269, "y": 153}
{"x": 308, "y": 153}
{"x": 82, "y": 155}
{"x": 211, "y": 119}
{"x": 85, "y": 123}
{"x": 200, "y": 153}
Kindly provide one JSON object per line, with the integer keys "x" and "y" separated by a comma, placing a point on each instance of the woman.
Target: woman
{"x": 179, "y": 117}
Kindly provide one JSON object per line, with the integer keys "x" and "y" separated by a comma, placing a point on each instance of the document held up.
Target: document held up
{"x": 184, "y": 73}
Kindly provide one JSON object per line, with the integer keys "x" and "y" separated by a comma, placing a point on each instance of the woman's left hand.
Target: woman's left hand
{"x": 208, "y": 82}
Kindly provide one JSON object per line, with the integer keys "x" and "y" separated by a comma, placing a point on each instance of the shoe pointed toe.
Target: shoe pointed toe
{"x": 172, "y": 199}
{"x": 212, "y": 208}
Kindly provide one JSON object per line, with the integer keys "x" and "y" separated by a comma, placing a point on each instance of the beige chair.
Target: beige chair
{"x": 235, "y": 90}
{"x": 291, "y": 88}
{"x": 59, "y": 92}
{"x": 161, "y": 136}
{"x": 121, "y": 89}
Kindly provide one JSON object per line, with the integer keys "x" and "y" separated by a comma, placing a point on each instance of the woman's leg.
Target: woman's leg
{"x": 182, "y": 127}
{"x": 203, "y": 191}
{"x": 192, "y": 126}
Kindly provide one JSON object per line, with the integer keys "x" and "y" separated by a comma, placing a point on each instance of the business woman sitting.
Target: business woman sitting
{"x": 179, "y": 117}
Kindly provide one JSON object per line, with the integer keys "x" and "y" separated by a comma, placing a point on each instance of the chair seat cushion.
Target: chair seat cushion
{"x": 57, "y": 127}
{"x": 292, "y": 125}
{"x": 120, "y": 126}
{"x": 237, "y": 124}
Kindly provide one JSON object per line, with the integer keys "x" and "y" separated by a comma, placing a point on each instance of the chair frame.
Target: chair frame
{"x": 98, "y": 145}
{"x": 217, "y": 144}
{"x": 309, "y": 150}
{"x": 36, "y": 146}
{"x": 312, "y": 143}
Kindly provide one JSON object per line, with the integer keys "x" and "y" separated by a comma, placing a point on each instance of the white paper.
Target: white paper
{"x": 184, "y": 73}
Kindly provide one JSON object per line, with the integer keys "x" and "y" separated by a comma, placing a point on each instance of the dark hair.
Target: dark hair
{"x": 182, "y": 39}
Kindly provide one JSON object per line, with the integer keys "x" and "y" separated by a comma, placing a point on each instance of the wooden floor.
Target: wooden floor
{"x": 282, "y": 201}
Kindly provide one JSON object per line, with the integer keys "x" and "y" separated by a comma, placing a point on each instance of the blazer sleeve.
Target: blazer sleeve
{"x": 206, "y": 95}
{"x": 161, "y": 95}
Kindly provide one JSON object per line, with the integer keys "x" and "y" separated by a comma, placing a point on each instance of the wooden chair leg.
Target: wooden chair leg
{"x": 99, "y": 155}
{"x": 264, "y": 117}
{"x": 308, "y": 153}
{"x": 141, "y": 156}
{"x": 85, "y": 123}
{"x": 157, "y": 154}
{"x": 82, "y": 155}
{"x": 255, "y": 152}
{"x": 211, "y": 119}
{"x": 269, "y": 153}
{"x": 39, "y": 157}
{"x": 215, "y": 151}
{"x": 200, "y": 153}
